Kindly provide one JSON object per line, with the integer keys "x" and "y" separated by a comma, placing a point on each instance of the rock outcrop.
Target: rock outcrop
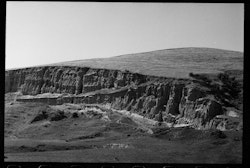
{"x": 178, "y": 100}
{"x": 73, "y": 80}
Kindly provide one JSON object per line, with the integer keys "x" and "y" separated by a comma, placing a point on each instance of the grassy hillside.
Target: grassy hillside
{"x": 177, "y": 62}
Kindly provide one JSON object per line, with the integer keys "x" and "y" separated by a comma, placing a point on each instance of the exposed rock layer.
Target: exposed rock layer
{"x": 72, "y": 80}
{"x": 146, "y": 95}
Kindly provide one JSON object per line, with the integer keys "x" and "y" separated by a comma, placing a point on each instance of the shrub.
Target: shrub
{"x": 230, "y": 85}
{"x": 75, "y": 115}
{"x": 40, "y": 116}
{"x": 59, "y": 115}
{"x": 218, "y": 134}
{"x": 191, "y": 74}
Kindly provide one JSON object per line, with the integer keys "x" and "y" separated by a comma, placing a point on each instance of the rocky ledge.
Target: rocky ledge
{"x": 201, "y": 100}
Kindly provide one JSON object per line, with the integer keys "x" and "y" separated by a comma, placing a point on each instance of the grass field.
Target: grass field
{"x": 177, "y": 63}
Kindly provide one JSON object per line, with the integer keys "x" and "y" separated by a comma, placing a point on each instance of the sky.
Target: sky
{"x": 39, "y": 33}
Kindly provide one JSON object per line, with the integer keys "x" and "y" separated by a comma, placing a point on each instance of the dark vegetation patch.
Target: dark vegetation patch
{"x": 59, "y": 115}
{"x": 227, "y": 87}
{"x": 220, "y": 142}
{"x": 91, "y": 136}
{"x": 218, "y": 134}
{"x": 94, "y": 114}
{"x": 42, "y": 114}
{"x": 75, "y": 115}
{"x": 46, "y": 113}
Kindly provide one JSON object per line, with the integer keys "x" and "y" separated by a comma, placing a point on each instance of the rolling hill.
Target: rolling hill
{"x": 175, "y": 63}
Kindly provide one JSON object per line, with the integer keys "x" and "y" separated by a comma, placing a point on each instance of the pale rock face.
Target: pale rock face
{"x": 67, "y": 80}
{"x": 174, "y": 99}
{"x": 196, "y": 108}
{"x": 146, "y": 95}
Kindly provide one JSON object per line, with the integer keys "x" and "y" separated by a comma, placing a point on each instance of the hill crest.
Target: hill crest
{"x": 175, "y": 62}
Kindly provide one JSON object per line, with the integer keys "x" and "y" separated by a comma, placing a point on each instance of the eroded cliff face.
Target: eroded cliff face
{"x": 73, "y": 80}
{"x": 153, "y": 97}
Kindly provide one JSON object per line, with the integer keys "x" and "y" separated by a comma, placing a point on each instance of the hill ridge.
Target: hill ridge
{"x": 174, "y": 62}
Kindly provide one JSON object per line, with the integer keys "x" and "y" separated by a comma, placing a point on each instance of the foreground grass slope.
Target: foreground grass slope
{"x": 87, "y": 138}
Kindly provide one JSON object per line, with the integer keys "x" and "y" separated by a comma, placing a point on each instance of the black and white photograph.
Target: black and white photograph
{"x": 123, "y": 82}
